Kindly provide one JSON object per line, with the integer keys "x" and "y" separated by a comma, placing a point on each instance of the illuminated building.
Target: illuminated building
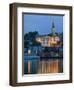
{"x": 49, "y": 40}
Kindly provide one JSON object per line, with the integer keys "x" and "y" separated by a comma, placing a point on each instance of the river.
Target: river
{"x": 42, "y": 66}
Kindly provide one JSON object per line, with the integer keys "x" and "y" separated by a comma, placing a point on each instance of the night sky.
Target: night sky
{"x": 42, "y": 23}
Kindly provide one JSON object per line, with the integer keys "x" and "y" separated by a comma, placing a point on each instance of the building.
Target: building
{"x": 49, "y": 40}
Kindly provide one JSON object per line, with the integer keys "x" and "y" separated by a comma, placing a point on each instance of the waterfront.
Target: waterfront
{"x": 41, "y": 66}
{"x": 43, "y": 47}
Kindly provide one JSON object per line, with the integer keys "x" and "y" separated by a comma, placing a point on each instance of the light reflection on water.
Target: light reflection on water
{"x": 36, "y": 66}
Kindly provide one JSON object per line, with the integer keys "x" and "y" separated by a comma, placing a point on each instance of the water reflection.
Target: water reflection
{"x": 43, "y": 66}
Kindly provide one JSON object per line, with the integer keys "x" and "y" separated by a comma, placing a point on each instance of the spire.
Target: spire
{"x": 53, "y": 29}
{"x": 53, "y": 26}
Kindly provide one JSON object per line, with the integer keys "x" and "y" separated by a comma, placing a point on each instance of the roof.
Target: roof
{"x": 45, "y": 36}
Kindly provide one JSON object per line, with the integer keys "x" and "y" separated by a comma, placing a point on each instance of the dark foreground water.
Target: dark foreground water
{"x": 36, "y": 66}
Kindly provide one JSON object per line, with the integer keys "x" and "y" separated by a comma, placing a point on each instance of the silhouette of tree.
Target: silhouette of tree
{"x": 30, "y": 39}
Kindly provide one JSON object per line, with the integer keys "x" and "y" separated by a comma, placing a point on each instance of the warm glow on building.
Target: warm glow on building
{"x": 38, "y": 39}
{"x": 49, "y": 41}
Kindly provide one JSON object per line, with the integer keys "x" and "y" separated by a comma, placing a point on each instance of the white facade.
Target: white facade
{"x": 48, "y": 41}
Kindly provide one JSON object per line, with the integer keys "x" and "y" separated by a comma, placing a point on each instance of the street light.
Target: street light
{"x": 29, "y": 52}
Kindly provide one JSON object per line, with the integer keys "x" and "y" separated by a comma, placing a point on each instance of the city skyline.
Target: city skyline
{"x": 42, "y": 23}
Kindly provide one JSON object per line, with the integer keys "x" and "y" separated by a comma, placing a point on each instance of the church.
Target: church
{"x": 49, "y": 40}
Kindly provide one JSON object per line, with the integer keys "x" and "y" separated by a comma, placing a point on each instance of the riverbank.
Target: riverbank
{"x": 39, "y": 57}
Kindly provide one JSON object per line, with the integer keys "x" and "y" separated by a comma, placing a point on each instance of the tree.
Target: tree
{"x": 30, "y": 39}
{"x": 26, "y": 44}
{"x": 35, "y": 43}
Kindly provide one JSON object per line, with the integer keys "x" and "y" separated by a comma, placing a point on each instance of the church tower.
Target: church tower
{"x": 53, "y": 30}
